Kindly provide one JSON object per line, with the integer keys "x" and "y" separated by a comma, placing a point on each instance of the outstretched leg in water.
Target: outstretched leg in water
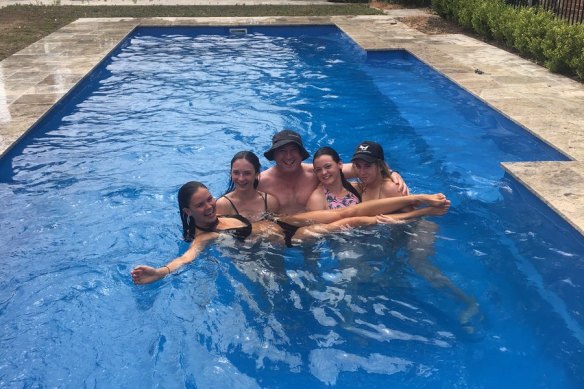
{"x": 421, "y": 242}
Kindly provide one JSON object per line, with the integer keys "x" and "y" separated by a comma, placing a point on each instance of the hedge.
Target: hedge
{"x": 532, "y": 31}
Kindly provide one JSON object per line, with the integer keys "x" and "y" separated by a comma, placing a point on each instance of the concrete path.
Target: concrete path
{"x": 548, "y": 105}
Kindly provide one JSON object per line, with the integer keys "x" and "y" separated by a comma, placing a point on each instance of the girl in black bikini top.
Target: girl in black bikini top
{"x": 264, "y": 196}
{"x": 242, "y": 190}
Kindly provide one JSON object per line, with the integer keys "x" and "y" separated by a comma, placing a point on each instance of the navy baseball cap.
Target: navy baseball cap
{"x": 368, "y": 151}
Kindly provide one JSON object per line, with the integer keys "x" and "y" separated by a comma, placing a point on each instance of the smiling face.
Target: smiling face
{"x": 288, "y": 157}
{"x": 327, "y": 170}
{"x": 202, "y": 207}
{"x": 367, "y": 172}
{"x": 243, "y": 174}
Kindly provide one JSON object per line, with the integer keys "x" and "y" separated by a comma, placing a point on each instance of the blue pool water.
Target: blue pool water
{"x": 91, "y": 192}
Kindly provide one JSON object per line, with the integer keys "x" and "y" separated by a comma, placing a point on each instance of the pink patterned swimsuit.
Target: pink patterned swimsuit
{"x": 334, "y": 202}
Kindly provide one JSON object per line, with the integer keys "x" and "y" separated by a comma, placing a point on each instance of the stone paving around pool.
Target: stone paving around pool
{"x": 550, "y": 106}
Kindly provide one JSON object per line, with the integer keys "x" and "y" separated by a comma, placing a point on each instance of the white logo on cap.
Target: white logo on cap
{"x": 363, "y": 147}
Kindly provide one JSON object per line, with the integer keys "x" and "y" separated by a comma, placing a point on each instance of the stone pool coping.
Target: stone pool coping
{"x": 547, "y": 105}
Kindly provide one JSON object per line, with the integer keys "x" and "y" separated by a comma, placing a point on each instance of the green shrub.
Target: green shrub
{"x": 577, "y": 62}
{"x": 564, "y": 49}
{"x": 531, "y": 29}
{"x": 502, "y": 23}
{"x": 457, "y": 7}
{"x": 443, "y": 8}
{"x": 480, "y": 18}
{"x": 533, "y": 32}
{"x": 464, "y": 13}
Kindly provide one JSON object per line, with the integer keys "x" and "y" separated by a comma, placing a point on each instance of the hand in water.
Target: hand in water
{"x": 146, "y": 274}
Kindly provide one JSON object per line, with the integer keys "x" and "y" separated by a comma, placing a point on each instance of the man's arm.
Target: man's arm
{"x": 316, "y": 201}
{"x": 266, "y": 182}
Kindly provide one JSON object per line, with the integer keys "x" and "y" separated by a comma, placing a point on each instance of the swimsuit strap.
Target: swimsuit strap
{"x": 239, "y": 233}
{"x": 233, "y": 205}
{"x": 265, "y": 196}
{"x": 212, "y": 228}
{"x": 239, "y": 217}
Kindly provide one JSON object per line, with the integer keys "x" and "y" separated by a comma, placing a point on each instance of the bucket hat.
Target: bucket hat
{"x": 282, "y": 138}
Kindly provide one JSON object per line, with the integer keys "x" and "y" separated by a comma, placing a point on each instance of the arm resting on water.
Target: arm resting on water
{"x": 145, "y": 274}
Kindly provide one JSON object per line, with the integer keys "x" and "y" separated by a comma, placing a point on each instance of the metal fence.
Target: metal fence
{"x": 570, "y": 10}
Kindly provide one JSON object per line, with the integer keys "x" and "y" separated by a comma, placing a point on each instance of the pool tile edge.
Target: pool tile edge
{"x": 560, "y": 185}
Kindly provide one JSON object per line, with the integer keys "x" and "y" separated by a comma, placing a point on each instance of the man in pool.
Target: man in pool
{"x": 292, "y": 181}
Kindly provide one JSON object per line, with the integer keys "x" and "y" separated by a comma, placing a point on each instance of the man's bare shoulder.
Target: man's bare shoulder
{"x": 270, "y": 179}
{"x": 309, "y": 175}
{"x": 307, "y": 168}
{"x": 268, "y": 173}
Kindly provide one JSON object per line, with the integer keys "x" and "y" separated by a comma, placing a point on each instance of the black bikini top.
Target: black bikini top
{"x": 265, "y": 197}
{"x": 239, "y": 233}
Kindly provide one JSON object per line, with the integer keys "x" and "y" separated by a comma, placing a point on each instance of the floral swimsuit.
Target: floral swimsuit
{"x": 334, "y": 202}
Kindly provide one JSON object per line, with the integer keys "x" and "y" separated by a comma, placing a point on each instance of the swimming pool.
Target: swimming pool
{"x": 91, "y": 193}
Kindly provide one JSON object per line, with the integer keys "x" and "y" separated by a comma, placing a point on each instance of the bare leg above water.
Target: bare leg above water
{"x": 370, "y": 208}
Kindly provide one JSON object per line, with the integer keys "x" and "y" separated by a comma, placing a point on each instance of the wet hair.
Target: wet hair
{"x": 249, "y": 157}
{"x": 184, "y": 198}
{"x": 325, "y": 150}
{"x": 383, "y": 168}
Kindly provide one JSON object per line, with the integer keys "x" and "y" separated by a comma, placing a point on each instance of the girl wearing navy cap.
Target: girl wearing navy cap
{"x": 373, "y": 173}
{"x": 375, "y": 183}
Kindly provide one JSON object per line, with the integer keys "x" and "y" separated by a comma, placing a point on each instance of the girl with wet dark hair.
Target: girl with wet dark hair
{"x": 184, "y": 197}
{"x": 198, "y": 212}
{"x": 242, "y": 196}
{"x": 253, "y": 160}
{"x": 334, "y": 191}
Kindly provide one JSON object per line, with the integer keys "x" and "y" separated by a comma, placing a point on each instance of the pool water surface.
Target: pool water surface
{"x": 91, "y": 192}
